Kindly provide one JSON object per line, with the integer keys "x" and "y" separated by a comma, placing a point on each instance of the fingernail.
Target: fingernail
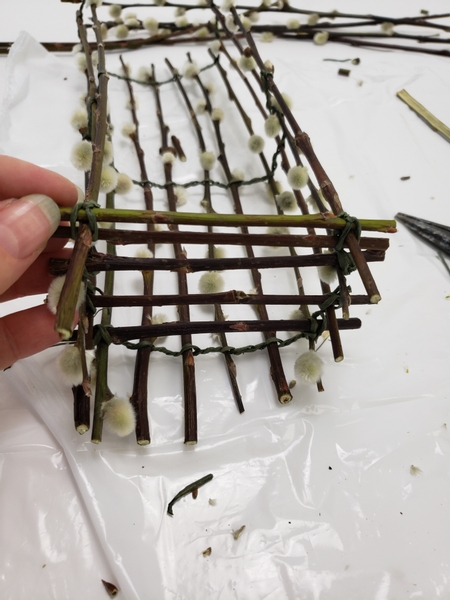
{"x": 27, "y": 223}
{"x": 80, "y": 193}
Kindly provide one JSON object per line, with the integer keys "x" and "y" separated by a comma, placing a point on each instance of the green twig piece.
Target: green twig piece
{"x": 425, "y": 115}
{"x": 188, "y": 490}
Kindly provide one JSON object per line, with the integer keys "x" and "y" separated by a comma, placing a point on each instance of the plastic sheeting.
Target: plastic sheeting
{"x": 324, "y": 485}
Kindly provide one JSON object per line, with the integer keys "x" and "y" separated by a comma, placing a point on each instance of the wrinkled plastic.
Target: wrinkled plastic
{"x": 323, "y": 485}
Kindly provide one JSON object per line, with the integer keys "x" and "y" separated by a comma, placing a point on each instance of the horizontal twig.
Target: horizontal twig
{"x": 106, "y": 262}
{"x": 125, "y": 236}
{"x": 328, "y": 220}
{"x": 118, "y": 335}
{"x": 229, "y": 297}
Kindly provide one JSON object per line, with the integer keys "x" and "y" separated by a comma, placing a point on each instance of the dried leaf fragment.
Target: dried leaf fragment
{"x": 415, "y": 470}
{"x": 110, "y": 588}
{"x": 238, "y": 532}
{"x": 207, "y": 552}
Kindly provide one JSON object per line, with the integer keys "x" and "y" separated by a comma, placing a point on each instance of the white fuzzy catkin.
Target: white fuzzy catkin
{"x": 119, "y": 416}
{"x": 313, "y": 204}
{"x": 143, "y": 74}
{"x": 144, "y": 252}
{"x": 387, "y": 28}
{"x": 217, "y": 114}
{"x": 54, "y": 294}
{"x": 80, "y": 61}
{"x": 191, "y": 70}
{"x": 278, "y": 231}
{"x": 108, "y": 179}
{"x": 207, "y": 160}
{"x": 274, "y": 102}
{"x": 132, "y": 23}
{"x": 256, "y": 144}
{"x": 296, "y": 315}
{"x": 81, "y": 155}
{"x": 108, "y": 153}
{"x": 247, "y": 63}
{"x": 159, "y": 319}
{"x": 94, "y": 2}
{"x": 203, "y": 32}
{"x": 209, "y": 87}
{"x": 238, "y": 175}
{"x": 308, "y": 367}
{"x": 272, "y": 126}
{"x": 77, "y": 48}
{"x": 267, "y": 37}
{"x": 200, "y": 106}
{"x": 230, "y": 24}
{"x": 227, "y": 4}
{"x": 151, "y": 25}
{"x": 313, "y": 19}
{"x": 79, "y": 119}
{"x": 69, "y": 362}
{"x": 103, "y": 31}
{"x": 254, "y": 16}
{"x": 130, "y": 15}
{"x": 293, "y": 24}
{"x": 168, "y": 158}
{"x": 321, "y": 38}
{"x": 298, "y": 177}
{"x": 121, "y": 32}
{"x": 180, "y": 11}
{"x": 211, "y": 283}
{"x": 94, "y": 58}
{"x": 181, "y": 195}
{"x": 124, "y": 184}
{"x": 219, "y": 252}
{"x": 278, "y": 188}
{"x": 160, "y": 2}
{"x": 215, "y": 46}
{"x": 327, "y": 273}
{"x": 286, "y": 201}
{"x": 115, "y": 10}
{"x": 128, "y": 129}
{"x": 182, "y": 22}
{"x": 246, "y": 23}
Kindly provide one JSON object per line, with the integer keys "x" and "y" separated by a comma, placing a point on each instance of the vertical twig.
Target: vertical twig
{"x": 190, "y": 393}
{"x": 139, "y": 397}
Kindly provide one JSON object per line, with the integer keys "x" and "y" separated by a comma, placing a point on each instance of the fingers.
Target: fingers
{"x": 36, "y": 279}
{"x": 25, "y": 227}
{"x": 20, "y": 178}
{"x": 25, "y": 333}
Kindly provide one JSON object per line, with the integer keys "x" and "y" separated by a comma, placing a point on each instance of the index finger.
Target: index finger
{"x": 20, "y": 178}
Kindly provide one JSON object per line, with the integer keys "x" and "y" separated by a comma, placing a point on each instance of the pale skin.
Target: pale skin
{"x": 24, "y": 269}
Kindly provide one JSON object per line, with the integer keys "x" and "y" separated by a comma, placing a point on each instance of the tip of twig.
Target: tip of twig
{"x": 285, "y": 398}
{"x": 375, "y": 298}
{"x": 64, "y": 334}
{"x": 82, "y": 429}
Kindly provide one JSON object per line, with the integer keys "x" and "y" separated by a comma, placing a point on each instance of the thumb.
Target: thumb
{"x": 25, "y": 227}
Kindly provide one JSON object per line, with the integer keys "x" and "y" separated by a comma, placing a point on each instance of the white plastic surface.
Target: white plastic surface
{"x": 323, "y": 485}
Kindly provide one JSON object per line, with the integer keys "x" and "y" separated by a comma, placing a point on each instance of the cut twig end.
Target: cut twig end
{"x": 375, "y": 298}
{"x": 82, "y": 429}
{"x": 285, "y": 398}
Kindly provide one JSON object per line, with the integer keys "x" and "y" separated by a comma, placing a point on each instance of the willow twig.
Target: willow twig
{"x": 118, "y": 335}
{"x": 229, "y": 297}
{"x": 190, "y": 393}
{"x": 126, "y": 236}
{"x": 322, "y": 220}
{"x": 139, "y": 396}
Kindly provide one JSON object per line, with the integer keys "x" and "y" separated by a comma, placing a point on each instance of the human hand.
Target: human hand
{"x": 29, "y": 215}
